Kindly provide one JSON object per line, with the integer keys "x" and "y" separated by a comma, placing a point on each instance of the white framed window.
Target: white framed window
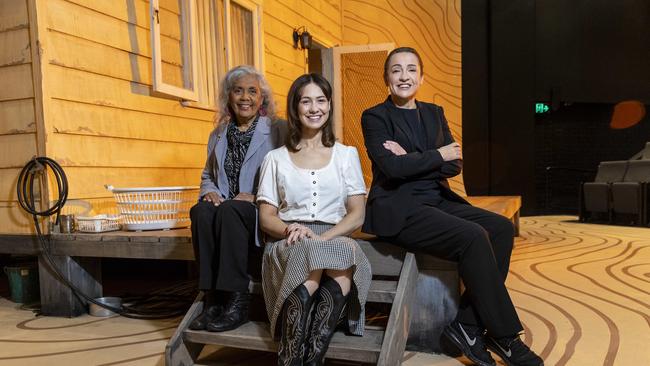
{"x": 243, "y": 33}
{"x": 194, "y": 44}
{"x": 174, "y": 50}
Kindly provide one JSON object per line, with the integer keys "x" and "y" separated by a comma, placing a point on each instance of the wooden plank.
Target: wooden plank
{"x": 298, "y": 13}
{"x": 91, "y": 151}
{"x": 88, "y": 182}
{"x": 16, "y": 82}
{"x": 386, "y": 259}
{"x": 506, "y": 206}
{"x": 123, "y": 249}
{"x": 15, "y": 47}
{"x": 80, "y": 86}
{"x": 57, "y": 299}
{"x": 17, "y": 150}
{"x": 13, "y": 15}
{"x": 382, "y": 291}
{"x": 255, "y": 335}
{"x": 97, "y": 120}
{"x": 134, "y": 12}
{"x": 178, "y": 351}
{"x": 431, "y": 313}
{"x": 82, "y": 54}
{"x": 17, "y": 117}
{"x": 281, "y": 47}
{"x": 106, "y": 30}
{"x": 392, "y": 349}
{"x": 279, "y": 83}
{"x": 19, "y": 244}
{"x": 171, "y": 5}
{"x": 36, "y": 38}
{"x": 133, "y": 236}
{"x": 8, "y": 180}
{"x": 281, "y": 66}
{"x": 330, "y": 12}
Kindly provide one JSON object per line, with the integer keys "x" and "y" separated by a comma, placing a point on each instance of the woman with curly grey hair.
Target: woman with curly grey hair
{"x": 224, "y": 221}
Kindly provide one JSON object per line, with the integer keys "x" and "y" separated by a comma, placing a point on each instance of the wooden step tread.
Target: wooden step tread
{"x": 382, "y": 291}
{"x": 256, "y": 335}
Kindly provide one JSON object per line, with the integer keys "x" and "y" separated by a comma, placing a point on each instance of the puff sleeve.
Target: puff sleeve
{"x": 267, "y": 190}
{"x": 352, "y": 175}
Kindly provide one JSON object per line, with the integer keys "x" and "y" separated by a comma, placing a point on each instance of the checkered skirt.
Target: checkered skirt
{"x": 285, "y": 267}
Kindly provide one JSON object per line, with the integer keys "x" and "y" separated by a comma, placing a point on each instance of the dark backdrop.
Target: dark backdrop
{"x": 581, "y": 57}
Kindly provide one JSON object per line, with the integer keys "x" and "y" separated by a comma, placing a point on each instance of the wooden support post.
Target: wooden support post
{"x": 180, "y": 351}
{"x": 397, "y": 329}
{"x": 57, "y": 298}
{"x": 435, "y": 305}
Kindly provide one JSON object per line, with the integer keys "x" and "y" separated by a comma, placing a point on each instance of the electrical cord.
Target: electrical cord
{"x": 152, "y": 306}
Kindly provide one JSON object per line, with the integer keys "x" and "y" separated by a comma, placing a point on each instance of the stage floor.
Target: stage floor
{"x": 581, "y": 290}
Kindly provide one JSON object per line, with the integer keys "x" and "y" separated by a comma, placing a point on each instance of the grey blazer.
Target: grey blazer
{"x": 268, "y": 135}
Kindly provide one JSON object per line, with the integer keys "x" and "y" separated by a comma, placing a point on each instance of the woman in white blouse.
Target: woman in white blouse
{"x": 311, "y": 196}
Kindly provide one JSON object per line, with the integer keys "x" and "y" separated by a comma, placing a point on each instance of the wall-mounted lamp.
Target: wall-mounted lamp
{"x": 301, "y": 38}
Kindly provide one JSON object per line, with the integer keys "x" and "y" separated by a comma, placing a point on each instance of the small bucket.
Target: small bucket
{"x": 23, "y": 282}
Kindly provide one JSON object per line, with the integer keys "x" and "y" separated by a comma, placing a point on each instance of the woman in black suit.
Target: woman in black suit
{"x": 411, "y": 205}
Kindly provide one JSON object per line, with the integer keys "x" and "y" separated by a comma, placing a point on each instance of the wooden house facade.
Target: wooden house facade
{"x": 76, "y": 80}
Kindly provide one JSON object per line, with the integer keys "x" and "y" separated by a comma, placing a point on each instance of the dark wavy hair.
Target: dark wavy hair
{"x": 293, "y": 100}
{"x": 402, "y": 50}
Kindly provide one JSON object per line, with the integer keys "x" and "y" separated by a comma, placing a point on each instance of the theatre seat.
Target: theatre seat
{"x": 595, "y": 197}
{"x": 630, "y": 196}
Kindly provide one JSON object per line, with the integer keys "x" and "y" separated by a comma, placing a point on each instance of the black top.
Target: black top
{"x": 413, "y": 120}
{"x": 426, "y": 191}
{"x": 238, "y": 143}
{"x": 395, "y": 190}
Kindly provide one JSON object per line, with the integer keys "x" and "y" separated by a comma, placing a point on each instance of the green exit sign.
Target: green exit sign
{"x": 541, "y": 108}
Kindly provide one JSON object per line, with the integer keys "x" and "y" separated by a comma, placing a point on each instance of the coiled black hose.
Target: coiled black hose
{"x": 153, "y": 306}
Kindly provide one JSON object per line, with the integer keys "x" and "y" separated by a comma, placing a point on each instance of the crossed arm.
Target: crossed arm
{"x": 396, "y": 163}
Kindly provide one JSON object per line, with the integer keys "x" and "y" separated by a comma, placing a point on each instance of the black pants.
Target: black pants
{"x": 481, "y": 242}
{"x": 224, "y": 244}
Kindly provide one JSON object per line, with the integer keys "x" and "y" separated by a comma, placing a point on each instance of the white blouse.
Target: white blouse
{"x": 311, "y": 194}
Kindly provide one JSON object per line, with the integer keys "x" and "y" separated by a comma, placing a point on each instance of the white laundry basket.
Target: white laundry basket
{"x": 155, "y": 208}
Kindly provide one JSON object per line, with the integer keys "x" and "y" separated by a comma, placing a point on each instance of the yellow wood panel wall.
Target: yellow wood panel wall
{"x": 283, "y": 63}
{"x": 102, "y": 123}
{"x": 17, "y": 119}
{"x": 433, "y": 28}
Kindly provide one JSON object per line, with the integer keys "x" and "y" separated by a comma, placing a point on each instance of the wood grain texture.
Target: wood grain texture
{"x": 13, "y": 15}
{"x": 16, "y": 82}
{"x": 15, "y": 47}
{"x": 16, "y": 150}
{"x": 17, "y": 117}
{"x": 284, "y": 63}
{"x": 14, "y": 219}
{"x": 431, "y": 27}
{"x": 95, "y": 26}
{"x": 76, "y": 118}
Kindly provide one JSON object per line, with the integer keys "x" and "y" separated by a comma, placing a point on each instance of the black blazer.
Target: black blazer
{"x": 390, "y": 199}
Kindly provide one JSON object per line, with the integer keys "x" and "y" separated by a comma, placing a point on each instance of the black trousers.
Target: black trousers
{"x": 224, "y": 245}
{"x": 481, "y": 243}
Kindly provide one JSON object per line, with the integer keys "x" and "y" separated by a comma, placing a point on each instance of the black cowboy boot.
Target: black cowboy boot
{"x": 234, "y": 315}
{"x": 329, "y": 303}
{"x": 212, "y": 308}
{"x": 295, "y": 320}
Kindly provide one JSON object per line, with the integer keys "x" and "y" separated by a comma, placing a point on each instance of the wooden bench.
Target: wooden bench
{"x": 434, "y": 304}
{"x": 381, "y": 346}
